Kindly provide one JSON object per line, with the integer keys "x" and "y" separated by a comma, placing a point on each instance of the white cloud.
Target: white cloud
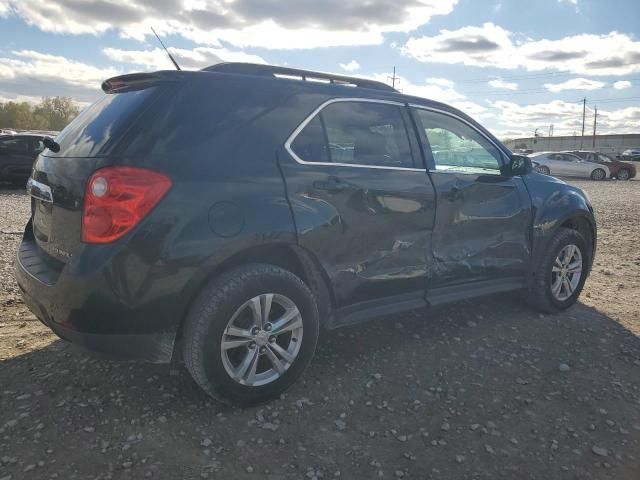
{"x": 572, "y": 2}
{"x": 490, "y": 45}
{"x": 28, "y": 73}
{"x": 438, "y": 89}
{"x": 575, "y": 84}
{"x": 4, "y": 8}
{"x": 566, "y": 118}
{"x": 442, "y": 82}
{"x": 499, "y": 83}
{"x": 352, "y": 66}
{"x": 194, "y": 59}
{"x": 622, "y": 84}
{"x": 261, "y": 23}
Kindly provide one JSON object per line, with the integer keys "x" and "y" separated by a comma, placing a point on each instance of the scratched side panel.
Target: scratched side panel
{"x": 370, "y": 229}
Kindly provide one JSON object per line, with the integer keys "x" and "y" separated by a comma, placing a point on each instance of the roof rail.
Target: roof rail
{"x": 296, "y": 73}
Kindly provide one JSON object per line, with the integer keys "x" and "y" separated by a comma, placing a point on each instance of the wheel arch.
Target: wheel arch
{"x": 290, "y": 257}
{"x": 579, "y": 220}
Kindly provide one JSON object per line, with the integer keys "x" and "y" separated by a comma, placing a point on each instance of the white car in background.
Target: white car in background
{"x": 562, "y": 164}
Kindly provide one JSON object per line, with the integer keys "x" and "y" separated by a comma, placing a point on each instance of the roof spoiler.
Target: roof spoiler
{"x": 139, "y": 81}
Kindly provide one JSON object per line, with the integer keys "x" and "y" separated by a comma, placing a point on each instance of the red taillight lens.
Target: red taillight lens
{"x": 117, "y": 198}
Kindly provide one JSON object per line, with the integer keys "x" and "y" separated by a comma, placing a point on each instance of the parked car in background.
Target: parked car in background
{"x": 155, "y": 223}
{"x": 617, "y": 168}
{"x": 563, "y": 164}
{"x": 17, "y": 154}
{"x": 6, "y": 131}
{"x": 632, "y": 154}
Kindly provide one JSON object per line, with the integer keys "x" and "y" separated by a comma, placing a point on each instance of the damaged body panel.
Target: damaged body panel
{"x": 481, "y": 230}
{"x": 377, "y": 202}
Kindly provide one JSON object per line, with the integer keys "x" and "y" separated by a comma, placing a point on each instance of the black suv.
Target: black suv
{"x": 17, "y": 154}
{"x": 237, "y": 210}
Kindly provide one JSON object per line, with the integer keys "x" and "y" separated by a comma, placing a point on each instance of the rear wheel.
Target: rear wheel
{"x": 598, "y": 174}
{"x": 250, "y": 334}
{"x": 544, "y": 170}
{"x": 561, "y": 273}
{"x": 623, "y": 174}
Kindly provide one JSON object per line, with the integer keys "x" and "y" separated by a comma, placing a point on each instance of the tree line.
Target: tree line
{"x": 52, "y": 113}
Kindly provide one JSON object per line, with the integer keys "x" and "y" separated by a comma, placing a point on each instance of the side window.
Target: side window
{"x": 36, "y": 146}
{"x": 310, "y": 144}
{"x": 16, "y": 145}
{"x": 457, "y": 146}
{"x": 357, "y": 133}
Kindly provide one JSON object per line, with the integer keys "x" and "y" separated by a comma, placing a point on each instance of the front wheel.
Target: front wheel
{"x": 544, "y": 170}
{"x": 598, "y": 174}
{"x": 561, "y": 272}
{"x": 250, "y": 334}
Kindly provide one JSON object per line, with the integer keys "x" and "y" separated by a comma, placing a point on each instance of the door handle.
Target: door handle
{"x": 454, "y": 194}
{"x": 332, "y": 185}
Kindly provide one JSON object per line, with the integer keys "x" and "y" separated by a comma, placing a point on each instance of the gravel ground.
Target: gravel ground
{"x": 487, "y": 389}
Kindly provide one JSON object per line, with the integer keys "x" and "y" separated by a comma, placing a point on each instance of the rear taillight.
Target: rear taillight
{"x": 117, "y": 198}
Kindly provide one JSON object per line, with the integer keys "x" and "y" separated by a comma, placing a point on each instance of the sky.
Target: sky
{"x": 517, "y": 67}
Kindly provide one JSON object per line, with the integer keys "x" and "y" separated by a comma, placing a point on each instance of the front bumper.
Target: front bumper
{"x": 73, "y": 307}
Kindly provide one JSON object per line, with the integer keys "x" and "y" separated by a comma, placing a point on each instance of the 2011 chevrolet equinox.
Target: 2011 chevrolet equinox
{"x": 239, "y": 209}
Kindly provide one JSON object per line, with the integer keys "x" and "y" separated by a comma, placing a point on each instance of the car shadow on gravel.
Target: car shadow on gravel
{"x": 485, "y": 387}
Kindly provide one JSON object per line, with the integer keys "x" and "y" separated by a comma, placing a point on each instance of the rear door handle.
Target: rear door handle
{"x": 454, "y": 194}
{"x": 331, "y": 185}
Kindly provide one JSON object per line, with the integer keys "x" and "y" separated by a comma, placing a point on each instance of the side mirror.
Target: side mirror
{"x": 518, "y": 165}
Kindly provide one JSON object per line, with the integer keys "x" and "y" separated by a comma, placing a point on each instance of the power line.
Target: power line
{"x": 533, "y": 90}
{"x": 393, "y": 78}
{"x": 541, "y": 74}
{"x": 584, "y": 110}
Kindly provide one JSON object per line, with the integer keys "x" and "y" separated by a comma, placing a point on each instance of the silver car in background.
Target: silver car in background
{"x": 561, "y": 164}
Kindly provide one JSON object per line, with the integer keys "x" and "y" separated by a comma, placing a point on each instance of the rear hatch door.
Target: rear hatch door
{"x": 58, "y": 180}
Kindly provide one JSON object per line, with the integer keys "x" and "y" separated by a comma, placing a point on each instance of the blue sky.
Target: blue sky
{"x": 516, "y": 66}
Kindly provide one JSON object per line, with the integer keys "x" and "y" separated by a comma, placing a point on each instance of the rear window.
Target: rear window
{"x": 96, "y": 130}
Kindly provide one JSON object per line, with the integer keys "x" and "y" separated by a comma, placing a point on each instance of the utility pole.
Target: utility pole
{"x": 393, "y": 78}
{"x": 595, "y": 122}
{"x": 584, "y": 111}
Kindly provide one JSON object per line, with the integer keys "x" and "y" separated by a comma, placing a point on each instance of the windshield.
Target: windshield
{"x": 604, "y": 158}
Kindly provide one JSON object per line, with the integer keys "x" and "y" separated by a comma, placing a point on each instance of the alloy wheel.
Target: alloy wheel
{"x": 262, "y": 339}
{"x": 566, "y": 272}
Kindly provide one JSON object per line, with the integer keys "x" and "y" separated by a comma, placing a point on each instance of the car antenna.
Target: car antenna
{"x": 166, "y": 50}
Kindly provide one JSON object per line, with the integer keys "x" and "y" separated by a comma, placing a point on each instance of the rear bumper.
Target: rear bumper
{"x": 84, "y": 311}
{"x": 154, "y": 348}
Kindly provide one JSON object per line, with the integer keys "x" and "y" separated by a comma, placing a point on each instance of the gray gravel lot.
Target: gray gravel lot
{"x": 483, "y": 389}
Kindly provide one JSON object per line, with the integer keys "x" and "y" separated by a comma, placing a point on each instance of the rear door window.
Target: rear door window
{"x": 15, "y": 145}
{"x": 356, "y": 133}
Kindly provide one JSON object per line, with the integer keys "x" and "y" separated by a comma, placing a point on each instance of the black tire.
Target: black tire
{"x": 623, "y": 174}
{"x": 539, "y": 295}
{"x": 208, "y": 317}
{"x": 544, "y": 170}
{"x": 598, "y": 174}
